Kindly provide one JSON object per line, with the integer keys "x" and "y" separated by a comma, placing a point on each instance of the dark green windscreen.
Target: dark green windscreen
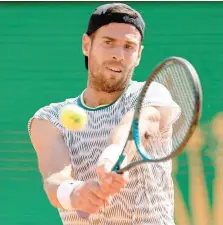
{"x": 41, "y": 61}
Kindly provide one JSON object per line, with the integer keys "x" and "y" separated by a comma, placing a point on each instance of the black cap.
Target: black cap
{"x": 104, "y": 15}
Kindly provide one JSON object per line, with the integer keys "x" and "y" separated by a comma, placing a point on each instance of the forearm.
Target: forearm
{"x": 120, "y": 135}
{"x": 149, "y": 116}
{"x": 51, "y": 192}
{"x": 149, "y": 125}
{"x": 53, "y": 183}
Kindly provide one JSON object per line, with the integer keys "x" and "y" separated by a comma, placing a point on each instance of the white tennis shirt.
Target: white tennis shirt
{"x": 148, "y": 199}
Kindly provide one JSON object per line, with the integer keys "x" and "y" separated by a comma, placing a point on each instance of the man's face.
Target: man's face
{"x": 113, "y": 53}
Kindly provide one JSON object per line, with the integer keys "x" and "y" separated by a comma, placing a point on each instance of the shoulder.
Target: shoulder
{"x": 51, "y": 113}
{"x": 55, "y": 107}
{"x": 156, "y": 91}
{"x": 134, "y": 86}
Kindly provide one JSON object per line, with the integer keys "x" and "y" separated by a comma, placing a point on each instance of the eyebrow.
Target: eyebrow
{"x": 113, "y": 39}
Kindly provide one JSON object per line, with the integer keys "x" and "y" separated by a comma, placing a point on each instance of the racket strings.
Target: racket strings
{"x": 186, "y": 99}
{"x": 178, "y": 81}
{"x": 158, "y": 147}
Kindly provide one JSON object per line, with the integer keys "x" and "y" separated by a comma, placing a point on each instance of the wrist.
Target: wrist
{"x": 66, "y": 194}
{"x": 74, "y": 195}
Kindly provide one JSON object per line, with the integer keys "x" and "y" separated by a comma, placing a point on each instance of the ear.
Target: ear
{"x": 86, "y": 44}
{"x": 139, "y": 55}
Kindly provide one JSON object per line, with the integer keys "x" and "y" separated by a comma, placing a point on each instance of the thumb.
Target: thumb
{"x": 104, "y": 167}
{"x": 108, "y": 159}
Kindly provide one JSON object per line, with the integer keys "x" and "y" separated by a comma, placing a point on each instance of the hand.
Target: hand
{"x": 89, "y": 197}
{"x": 149, "y": 122}
{"x": 111, "y": 182}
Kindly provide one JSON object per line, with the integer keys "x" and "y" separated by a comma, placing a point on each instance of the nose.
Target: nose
{"x": 118, "y": 54}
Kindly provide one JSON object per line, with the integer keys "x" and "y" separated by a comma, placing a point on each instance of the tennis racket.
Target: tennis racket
{"x": 181, "y": 80}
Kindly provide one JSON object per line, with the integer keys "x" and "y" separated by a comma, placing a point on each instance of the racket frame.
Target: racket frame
{"x": 134, "y": 131}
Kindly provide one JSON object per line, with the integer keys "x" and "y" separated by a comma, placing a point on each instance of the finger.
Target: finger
{"x": 95, "y": 200}
{"x": 100, "y": 194}
{"x": 126, "y": 177}
{"x": 91, "y": 208}
{"x": 89, "y": 205}
{"x": 114, "y": 185}
{"x": 149, "y": 128}
{"x": 121, "y": 178}
{"x": 112, "y": 188}
{"x": 110, "y": 154}
{"x": 104, "y": 168}
{"x": 108, "y": 159}
{"x": 110, "y": 181}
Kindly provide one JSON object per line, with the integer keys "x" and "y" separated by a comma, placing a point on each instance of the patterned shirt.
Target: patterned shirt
{"x": 148, "y": 198}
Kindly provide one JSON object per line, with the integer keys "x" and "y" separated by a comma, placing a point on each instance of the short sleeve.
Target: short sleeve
{"x": 157, "y": 96}
{"x": 50, "y": 113}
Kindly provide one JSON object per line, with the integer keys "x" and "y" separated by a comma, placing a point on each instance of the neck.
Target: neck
{"x": 93, "y": 98}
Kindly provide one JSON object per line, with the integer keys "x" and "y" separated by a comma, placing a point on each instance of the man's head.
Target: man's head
{"x": 112, "y": 46}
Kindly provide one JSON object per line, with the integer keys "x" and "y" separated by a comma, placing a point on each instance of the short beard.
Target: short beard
{"x": 98, "y": 83}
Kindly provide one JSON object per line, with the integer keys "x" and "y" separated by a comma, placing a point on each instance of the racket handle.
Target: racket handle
{"x": 83, "y": 215}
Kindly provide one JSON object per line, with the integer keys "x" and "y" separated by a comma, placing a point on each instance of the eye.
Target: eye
{"x": 108, "y": 42}
{"x": 127, "y": 46}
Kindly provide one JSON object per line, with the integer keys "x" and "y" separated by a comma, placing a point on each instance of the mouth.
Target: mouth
{"x": 114, "y": 69}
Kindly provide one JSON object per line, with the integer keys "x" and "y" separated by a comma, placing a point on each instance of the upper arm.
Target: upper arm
{"x": 51, "y": 150}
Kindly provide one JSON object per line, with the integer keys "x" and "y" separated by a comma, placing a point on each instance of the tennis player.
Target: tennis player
{"x": 73, "y": 178}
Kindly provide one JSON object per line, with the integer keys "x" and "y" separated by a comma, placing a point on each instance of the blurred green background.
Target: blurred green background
{"x": 41, "y": 62}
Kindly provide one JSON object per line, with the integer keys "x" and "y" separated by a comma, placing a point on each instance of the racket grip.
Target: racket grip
{"x": 83, "y": 215}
